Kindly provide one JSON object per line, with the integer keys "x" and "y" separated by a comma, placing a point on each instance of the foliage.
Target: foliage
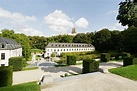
{"x": 6, "y": 73}
{"x": 38, "y": 42}
{"x": 21, "y": 39}
{"x": 105, "y": 57}
{"x": 127, "y": 61}
{"x": 126, "y": 13}
{"x": 82, "y": 38}
{"x": 61, "y": 65}
{"x": 115, "y": 40}
{"x": 37, "y": 51}
{"x": 30, "y": 86}
{"x": 129, "y": 40}
{"x": 71, "y": 60}
{"x": 90, "y": 65}
{"x": 16, "y": 62}
{"x": 102, "y": 40}
{"x": 128, "y": 71}
{"x": 135, "y": 61}
{"x": 124, "y": 54}
{"x": 53, "y": 55}
{"x": 29, "y": 68}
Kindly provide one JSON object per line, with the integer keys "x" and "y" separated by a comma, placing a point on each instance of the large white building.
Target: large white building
{"x": 8, "y": 48}
{"x": 58, "y": 48}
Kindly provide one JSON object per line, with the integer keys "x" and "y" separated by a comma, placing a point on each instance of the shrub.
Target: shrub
{"x": 53, "y": 55}
{"x": 96, "y": 65}
{"x": 6, "y": 73}
{"x": 105, "y": 57}
{"x": 124, "y": 54}
{"x": 71, "y": 60}
{"x": 16, "y": 62}
{"x": 127, "y": 61}
{"x": 90, "y": 65}
{"x": 135, "y": 61}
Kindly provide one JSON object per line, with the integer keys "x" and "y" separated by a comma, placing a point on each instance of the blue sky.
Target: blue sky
{"x": 54, "y": 17}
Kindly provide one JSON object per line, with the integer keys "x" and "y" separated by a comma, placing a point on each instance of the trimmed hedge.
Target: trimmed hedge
{"x": 17, "y": 63}
{"x": 6, "y": 73}
{"x": 127, "y": 61}
{"x": 105, "y": 57}
{"x": 124, "y": 54}
{"x": 71, "y": 60}
{"x": 135, "y": 61}
{"x": 90, "y": 65}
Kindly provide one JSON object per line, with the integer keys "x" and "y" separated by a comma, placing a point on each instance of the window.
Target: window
{"x": 2, "y": 56}
{"x": 2, "y": 46}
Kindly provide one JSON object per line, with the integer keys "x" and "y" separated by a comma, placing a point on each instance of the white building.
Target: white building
{"x": 58, "y": 48}
{"x": 8, "y": 48}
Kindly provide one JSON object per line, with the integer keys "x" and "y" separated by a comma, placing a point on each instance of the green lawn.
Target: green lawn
{"x": 31, "y": 68}
{"x": 128, "y": 71}
{"x": 30, "y": 86}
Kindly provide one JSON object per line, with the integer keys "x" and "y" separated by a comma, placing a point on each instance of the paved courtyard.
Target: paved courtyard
{"x": 89, "y": 82}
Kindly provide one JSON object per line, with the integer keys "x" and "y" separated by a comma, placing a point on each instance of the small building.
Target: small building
{"x": 58, "y": 48}
{"x": 8, "y": 48}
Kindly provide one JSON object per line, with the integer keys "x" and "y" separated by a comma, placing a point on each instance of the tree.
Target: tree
{"x": 81, "y": 38}
{"x": 21, "y": 39}
{"x": 127, "y": 13}
{"x": 102, "y": 40}
{"x": 115, "y": 40}
{"x": 129, "y": 40}
{"x": 66, "y": 39}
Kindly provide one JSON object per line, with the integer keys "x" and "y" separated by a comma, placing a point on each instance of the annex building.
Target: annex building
{"x": 58, "y": 48}
{"x": 8, "y": 48}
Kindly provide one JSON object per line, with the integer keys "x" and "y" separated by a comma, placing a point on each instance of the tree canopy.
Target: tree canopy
{"x": 127, "y": 14}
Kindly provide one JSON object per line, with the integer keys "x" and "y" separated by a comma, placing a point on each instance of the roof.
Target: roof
{"x": 8, "y": 44}
{"x": 66, "y": 45}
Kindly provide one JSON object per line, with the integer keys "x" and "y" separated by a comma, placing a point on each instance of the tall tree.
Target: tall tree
{"x": 126, "y": 14}
{"x": 129, "y": 40}
{"x": 81, "y": 38}
{"x": 102, "y": 40}
{"x": 20, "y": 38}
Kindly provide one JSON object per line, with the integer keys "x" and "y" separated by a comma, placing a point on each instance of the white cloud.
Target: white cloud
{"x": 113, "y": 12}
{"x": 82, "y": 23}
{"x": 30, "y": 31}
{"x": 58, "y": 21}
{"x": 118, "y": 26}
{"x": 18, "y": 22}
{"x": 15, "y": 17}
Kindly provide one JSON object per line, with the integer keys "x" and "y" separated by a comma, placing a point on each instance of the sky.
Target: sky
{"x": 55, "y": 17}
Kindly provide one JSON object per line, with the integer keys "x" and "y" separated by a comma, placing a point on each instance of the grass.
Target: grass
{"x": 30, "y": 86}
{"x": 31, "y": 68}
{"x": 61, "y": 65}
{"x": 128, "y": 71}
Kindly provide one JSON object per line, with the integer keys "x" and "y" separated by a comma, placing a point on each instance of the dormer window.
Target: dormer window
{"x": 2, "y": 45}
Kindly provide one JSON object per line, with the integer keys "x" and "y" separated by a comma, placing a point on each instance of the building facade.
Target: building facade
{"x": 58, "y": 48}
{"x": 8, "y": 48}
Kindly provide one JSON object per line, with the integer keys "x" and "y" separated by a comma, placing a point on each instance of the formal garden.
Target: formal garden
{"x": 110, "y": 45}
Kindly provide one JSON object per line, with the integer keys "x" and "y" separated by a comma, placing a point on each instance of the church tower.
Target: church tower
{"x": 73, "y": 31}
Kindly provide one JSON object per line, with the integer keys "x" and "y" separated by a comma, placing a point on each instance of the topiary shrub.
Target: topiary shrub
{"x": 105, "y": 57}
{"x": 135, "y": 61}
{"x": 124, "y": 54}
{"x": 6, "y": 73}
{"x": 96, "y": 65}
{"x": 71, "y": 60}
{"x": 90, "y": 65}
{"x": 127, "y": 61}
{"x": 17, "y": 63}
